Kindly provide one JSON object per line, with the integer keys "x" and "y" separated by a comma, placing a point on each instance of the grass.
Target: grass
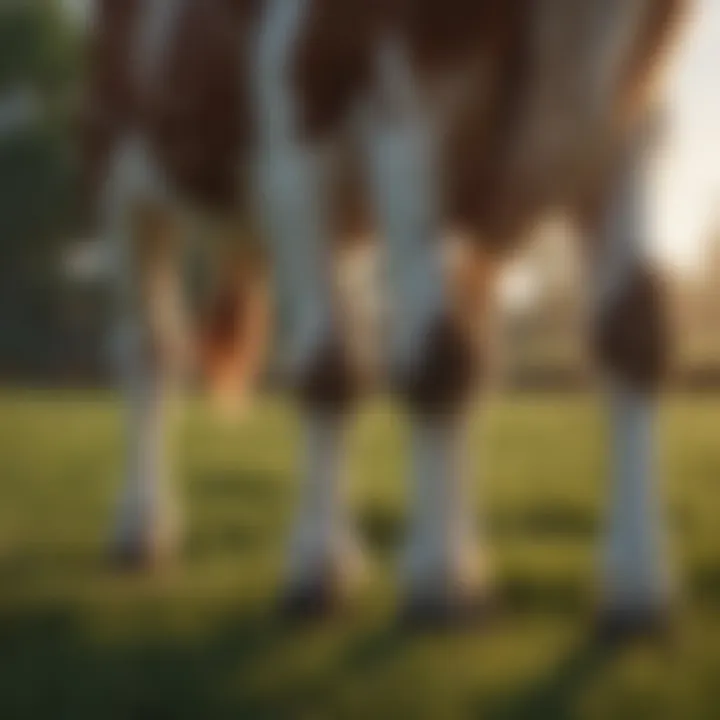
{"x": 202, "y": 640}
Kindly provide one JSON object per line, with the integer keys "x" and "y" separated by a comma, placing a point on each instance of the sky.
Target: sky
{"x": 689, "y": 183}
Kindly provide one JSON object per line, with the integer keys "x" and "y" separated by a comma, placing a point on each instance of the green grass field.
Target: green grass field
{"x": 202, "y": 640}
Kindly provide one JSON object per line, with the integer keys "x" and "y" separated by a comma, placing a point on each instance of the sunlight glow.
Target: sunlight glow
{"x": 689, "y": 182}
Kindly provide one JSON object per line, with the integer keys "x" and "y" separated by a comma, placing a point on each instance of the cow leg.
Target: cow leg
{"x": 432, "y": 357}
{"x": 233, "y": 317}
{"x": 323, "y": 557}
{"x": 150, "y": 346}
{"x": 324, "y": 560}
{"x": 631, "y": 344}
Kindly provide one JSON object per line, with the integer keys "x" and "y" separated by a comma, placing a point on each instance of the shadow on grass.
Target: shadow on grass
{"x": 222, "y": 540}
{"x": 250, "y": 488}
{"x": 53, "y": 665}
{"x": 49, "y": 667}
{"x": 522, "y": 595}
{"x": 235, "y": 512}
{"x": 705, "y": 582}
{"x": 67, "y": 562}
{"x": 376, "y": 650}
{"x": 556, "y": 695}
{"x": 384, "y": 527}
{"x": 551, "y": 521}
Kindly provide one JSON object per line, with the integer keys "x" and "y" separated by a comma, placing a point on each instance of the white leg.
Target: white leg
{"x": 292, "y": 177}
{"x": 291, "y": 185}
{"x": 442, "y": 562}
{"x": 401, "y": 144}
{"x": 324, "y": 554}
{"x": 150, "y": 349}
{"x": 442, "y": 566}
{"x": 147, "y": 525}
{"x": 636, "y": 573}
{"x": 636, "y": 576}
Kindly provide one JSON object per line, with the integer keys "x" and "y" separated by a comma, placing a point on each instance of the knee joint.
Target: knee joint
{"x": 632, "y": 339}
{"x": 446, "y": 372}
{"x": 330, "y": 382}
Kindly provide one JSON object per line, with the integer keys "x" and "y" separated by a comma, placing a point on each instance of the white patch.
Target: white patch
{"x": 636, "y": 569}
{"x": 134, "y": 177}
{"x": 323, "y": 539}
{"x": 403, "y": 137}
{"x": 291, "y": 183}
{"x": 148, "y": 516}
{"x": 146, "y": 303}
{"x": 443, "y": 543}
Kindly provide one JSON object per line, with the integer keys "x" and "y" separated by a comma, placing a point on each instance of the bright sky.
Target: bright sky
{"x": 690, "y": 186}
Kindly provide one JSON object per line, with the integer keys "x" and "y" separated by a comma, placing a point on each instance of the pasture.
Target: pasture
{"x": 203, "y": 640}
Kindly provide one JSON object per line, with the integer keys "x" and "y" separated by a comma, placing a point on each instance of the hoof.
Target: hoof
{"x": 315, "y": 600}
{"x": 322, "y": 587}
{"x": 142, "y": 554}
{"x": 145, "y": 539}
{"x": 622, "y": 625}
{"x": 448, "y": 612}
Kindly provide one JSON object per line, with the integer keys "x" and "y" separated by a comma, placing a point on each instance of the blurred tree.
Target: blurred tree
{"x": 38, "y": 74}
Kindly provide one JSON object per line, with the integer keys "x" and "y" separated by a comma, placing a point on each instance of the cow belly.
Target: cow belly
{"x": 199, "y": 117}
{"x": 179, "y": 80}
{"x": 555, "y": 117}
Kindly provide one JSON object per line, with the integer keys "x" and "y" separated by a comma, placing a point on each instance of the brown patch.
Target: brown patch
{"x": 109, "y": 104}
{"x": 480, "y": 195}
{"x": 489, "y": 192}
{"x": 330, "y": 384}
{"x": 199, "y": 116}
{"x": 445, "y": 34}
{"x": 443, "y": 382}
{"x": 334, "y": 59}
{"x": 455, "y": 357}
{"x": 332, "y": 62}
{"x": 489, "y": 40}
{"x": 195, "y": 112}
{"x": 652, "y": 48}
{"x": 471, "y": 283}
{"x": 233, "y": 335}
{"x": 633, "y": 337}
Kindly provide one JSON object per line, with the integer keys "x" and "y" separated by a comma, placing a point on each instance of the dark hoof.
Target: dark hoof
{"x": 450, "y": 612}
{"x": 314, "y": 601}
{"x": 141, "y": 557}
{"x": 617, "y": 626}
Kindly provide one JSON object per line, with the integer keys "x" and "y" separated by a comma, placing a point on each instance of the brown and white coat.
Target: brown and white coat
{"x": 324, "y": 119}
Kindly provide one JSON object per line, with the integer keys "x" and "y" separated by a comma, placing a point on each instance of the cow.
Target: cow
{"x": 317, "y": 121}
